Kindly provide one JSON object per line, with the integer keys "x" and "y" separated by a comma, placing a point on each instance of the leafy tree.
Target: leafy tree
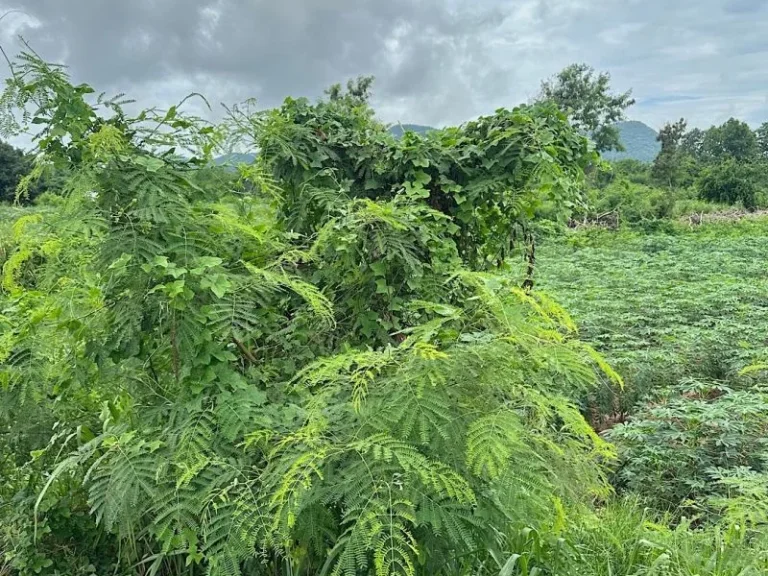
{"x": 317, "y": 376}
{"x": 14, "y": 165}
{"x": 671, "y": 135}
{"x": 358, "y": 91}
{"x": 733, "y": 139}
{"x": 762, "y": 139}
{"x": 591, "y": 107}
{"x": 674, "y": 166}
{"x": 692, "y": 143}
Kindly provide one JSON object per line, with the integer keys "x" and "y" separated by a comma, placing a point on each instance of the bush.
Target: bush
{"x": 633, "y": 171}
{"x": 730, "y": 182}
{"x": 633, "y": 203}
{"x": 312, "y": 368}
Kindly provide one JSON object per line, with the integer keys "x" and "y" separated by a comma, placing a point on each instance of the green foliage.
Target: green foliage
{"x": 635, "y": 171}
{"x": 730, "y": 182}
{"x": 762, "y": 140}
{"x": 732, "y": 140}
{"x": 663, "y": 306}
{"x": 590, "y": 105}
{"x": 324, "y": 360}
{"x": 397, "y": 130}
{"x": 673, "y": 166}
{"x": 624, "y": 193}
{"x": 623, "y": 202}
{"x": 625, "y": 539}
{"x": 14, "y": 165}
{"x": 302, "y": 368}
{"x": 489, "y": 176}
{"x": 679, "y": 449}
{"x": 692, "y": 143}
{"x": 725, "y": 163}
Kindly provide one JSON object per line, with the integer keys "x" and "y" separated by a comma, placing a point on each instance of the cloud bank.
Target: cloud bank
{"x": 436, "y": 62}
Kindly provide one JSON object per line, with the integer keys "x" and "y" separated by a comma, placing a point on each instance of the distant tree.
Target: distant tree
{"x": 358, "y": 90}
{"x": 633, "y": 170}
{"x": 629, "y": 169}
{"x": 671, "y": 135}
{"x": 692, "y": 143}
{"x": 762, "y": 139}
{"x": 667, "y": 167}
{"x": 586, "y": 97}
{"x": 14, "y": 165}
{"x": 730, "y": 182}
{"x": 733, "y": 139}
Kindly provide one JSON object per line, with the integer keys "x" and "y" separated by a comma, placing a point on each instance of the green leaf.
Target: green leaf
{"x": 219, "y": 284}
{"x": 204, "y": 263}
{"x": 160, "y": 261}
{"x": 121, "y": 262}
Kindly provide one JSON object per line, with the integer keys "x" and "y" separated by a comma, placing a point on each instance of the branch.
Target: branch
{"x": 247, "y": 353}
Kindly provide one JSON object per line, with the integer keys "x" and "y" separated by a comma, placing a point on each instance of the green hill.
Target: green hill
{"x": 639, "y": 140}
{"x": 234, "y": 158}
{"x": 399, "y": 129}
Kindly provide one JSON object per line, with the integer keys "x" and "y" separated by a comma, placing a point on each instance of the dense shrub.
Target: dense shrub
{"x": 730, "y": 182}
{"x": 310, "y": 369}
{"x": 631, "y": 170}
{"x": 14, "y": 165}
{"x": 636, "y": 202}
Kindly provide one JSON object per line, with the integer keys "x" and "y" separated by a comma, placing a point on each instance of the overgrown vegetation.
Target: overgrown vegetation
{"x": 337, "y": 360}
{"x": 313, "y": 376}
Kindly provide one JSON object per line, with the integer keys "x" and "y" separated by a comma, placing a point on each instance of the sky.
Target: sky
{"x": 436, "y": 62}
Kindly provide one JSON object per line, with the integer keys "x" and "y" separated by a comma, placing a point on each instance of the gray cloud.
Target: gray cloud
{"x": 436, "y": 61}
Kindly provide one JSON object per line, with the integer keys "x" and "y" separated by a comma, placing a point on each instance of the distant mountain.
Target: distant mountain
{"x": 234, "y": 158}
{"x": 399, "y": 129}
{"x": 639, "y": 141}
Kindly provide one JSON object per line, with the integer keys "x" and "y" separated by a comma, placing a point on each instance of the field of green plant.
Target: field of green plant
{"x": 686, "y": 302}
{"x": 356, "y": 357}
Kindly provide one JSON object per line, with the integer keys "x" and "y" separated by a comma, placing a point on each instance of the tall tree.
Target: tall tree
{"x": 358, "y": 91}
{"x": 762, "y": 139}
{"x": 586, "y": 97}
{"x": 733, "y": 139}
{"x": 671, "y": 135}
{"x": 692, "y": 143}
{"x": 667, "y": 165}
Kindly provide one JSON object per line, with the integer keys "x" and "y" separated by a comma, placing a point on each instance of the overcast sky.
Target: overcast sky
{"x": 436, "y": 62}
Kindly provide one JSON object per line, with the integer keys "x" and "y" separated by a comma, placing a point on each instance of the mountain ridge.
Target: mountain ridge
{"x": 639, "y": 141}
